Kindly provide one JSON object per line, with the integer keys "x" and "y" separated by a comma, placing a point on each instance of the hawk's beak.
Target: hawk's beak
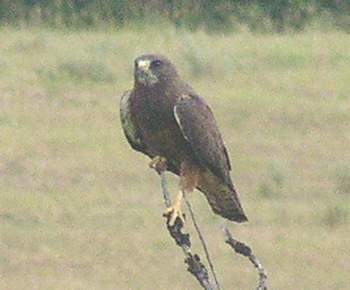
{"x": 144, "y": 74}
{"x": 143, "y": 65}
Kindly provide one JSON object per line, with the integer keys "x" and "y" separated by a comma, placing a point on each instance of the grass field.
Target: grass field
{"x": 80, "y": 210}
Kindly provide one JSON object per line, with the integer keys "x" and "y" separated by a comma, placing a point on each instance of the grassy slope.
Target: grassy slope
{"x": 80, "y": 210}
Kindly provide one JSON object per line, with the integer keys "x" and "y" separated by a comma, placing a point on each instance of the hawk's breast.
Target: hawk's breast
{"x": 159, "y": 129}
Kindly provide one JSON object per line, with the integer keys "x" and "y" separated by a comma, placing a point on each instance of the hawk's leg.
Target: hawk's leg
{"x": 189, "y": 174}
{"x": 158, "y": 163}
{"x": 175, "y": 210}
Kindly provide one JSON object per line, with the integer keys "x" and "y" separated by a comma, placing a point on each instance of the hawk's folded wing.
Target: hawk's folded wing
{"x": 129, "y": 127}
{"x": 199, "y": 128}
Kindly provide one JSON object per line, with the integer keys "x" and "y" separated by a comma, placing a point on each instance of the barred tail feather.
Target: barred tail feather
{"x": 222, "y": 198}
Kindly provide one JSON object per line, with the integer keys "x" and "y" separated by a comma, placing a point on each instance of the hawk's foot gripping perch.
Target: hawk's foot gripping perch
{"x": 158, "y": 163}
{"x": 174, "y": 212}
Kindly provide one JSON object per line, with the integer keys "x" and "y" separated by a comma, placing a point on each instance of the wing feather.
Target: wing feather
{"x": 200, "y": 129}
{"x": 129, "y": 127}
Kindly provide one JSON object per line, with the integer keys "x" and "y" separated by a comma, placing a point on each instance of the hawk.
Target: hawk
{"x": 164, "y": 118}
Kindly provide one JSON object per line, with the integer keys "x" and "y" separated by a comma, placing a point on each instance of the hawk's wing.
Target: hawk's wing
{"x": 129, "y": 127}
{"x": 199, "y": 128}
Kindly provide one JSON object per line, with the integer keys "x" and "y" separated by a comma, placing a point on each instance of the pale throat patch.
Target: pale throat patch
{"x": 144, "y": 74}
{"x": 143, "y": 64}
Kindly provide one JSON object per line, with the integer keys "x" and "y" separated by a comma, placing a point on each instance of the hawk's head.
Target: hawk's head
{"x": 151, "y": 69}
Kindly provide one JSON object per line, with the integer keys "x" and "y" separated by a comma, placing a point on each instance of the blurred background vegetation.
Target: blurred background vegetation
{"x": 269, "y": 15}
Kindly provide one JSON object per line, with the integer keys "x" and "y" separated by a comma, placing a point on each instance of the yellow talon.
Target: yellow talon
{"x": 175, "y": 211}
{"x": 158, "y": 163}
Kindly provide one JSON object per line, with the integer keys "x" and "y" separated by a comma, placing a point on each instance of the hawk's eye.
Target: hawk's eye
{"x": 156, "y": 63}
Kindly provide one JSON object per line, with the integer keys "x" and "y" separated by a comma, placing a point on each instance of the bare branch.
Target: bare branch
{"x": 246, "y": 251}
{"x": 194, "y": 264}
{"x": 204, "y": 244}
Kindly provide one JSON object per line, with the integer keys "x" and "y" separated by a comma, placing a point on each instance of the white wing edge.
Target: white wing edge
{"x": 129, "y": 127}
{"x": 179, "y": 122}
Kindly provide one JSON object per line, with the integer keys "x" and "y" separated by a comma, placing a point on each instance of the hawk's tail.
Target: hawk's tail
{"x": 222, "y": 198}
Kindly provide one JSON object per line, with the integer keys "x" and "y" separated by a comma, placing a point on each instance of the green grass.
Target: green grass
{"x": 80, "y": 210}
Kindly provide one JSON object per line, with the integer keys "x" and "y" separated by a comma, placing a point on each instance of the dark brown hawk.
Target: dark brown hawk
{"x": 164, "y": 118}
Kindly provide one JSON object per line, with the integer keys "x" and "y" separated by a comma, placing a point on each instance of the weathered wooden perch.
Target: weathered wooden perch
{"x": 193, "y": 261}
{"x": 243, "y": 249}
